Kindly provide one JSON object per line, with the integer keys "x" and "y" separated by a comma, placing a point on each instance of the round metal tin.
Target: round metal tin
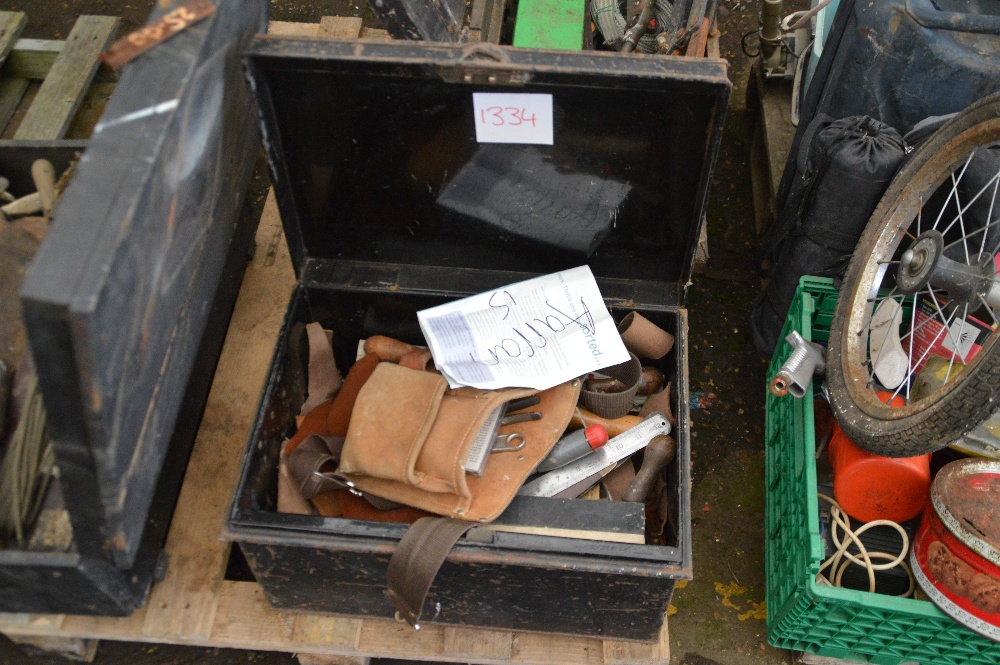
{"x": 954, "y": 558}
{"x": 966, "y": 497}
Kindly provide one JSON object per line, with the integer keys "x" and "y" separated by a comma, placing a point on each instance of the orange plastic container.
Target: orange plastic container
{"x": 869, "y": 487}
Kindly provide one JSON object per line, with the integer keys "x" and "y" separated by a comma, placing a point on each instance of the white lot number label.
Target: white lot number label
{"x": 513, "y": 117}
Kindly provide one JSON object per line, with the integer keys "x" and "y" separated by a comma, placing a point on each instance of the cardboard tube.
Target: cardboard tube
{"x": 644, "y": 338}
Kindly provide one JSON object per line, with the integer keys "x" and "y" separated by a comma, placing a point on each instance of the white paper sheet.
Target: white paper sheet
{"x": 533, "y": 334}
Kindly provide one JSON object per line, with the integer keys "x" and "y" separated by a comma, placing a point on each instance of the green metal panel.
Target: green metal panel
{"x": 556, "y": 24}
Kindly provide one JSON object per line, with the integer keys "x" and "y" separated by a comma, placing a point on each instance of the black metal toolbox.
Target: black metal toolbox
{"x": 366, "y": 142}
{"x": 126, "y": 305}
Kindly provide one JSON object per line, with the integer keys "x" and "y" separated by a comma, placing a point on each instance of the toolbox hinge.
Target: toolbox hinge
{"x": 475, "y": 67}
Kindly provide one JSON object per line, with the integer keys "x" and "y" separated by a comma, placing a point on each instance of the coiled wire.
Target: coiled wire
{"x": 842, "y": 558}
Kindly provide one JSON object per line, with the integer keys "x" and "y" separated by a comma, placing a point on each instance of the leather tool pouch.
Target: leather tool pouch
{"x": 408, "y": 440}
{"x": 409, "y": 437}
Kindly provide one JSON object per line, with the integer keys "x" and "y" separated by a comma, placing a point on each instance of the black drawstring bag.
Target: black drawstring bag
{"x": 844, "y": 167}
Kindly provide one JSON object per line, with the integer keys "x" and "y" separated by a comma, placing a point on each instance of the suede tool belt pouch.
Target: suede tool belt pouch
{"x": 409, "y": 437}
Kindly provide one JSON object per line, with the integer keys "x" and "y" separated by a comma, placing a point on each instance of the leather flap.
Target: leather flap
{"x": 483, "y": 499}
{"x": 463, "y": 414}
{"x": 392, "y": 417}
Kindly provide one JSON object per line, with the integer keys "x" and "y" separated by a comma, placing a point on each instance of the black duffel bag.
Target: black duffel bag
{"x": 844, "y": 167}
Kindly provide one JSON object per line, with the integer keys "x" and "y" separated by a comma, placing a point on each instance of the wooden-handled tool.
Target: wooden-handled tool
{"x": 44, "y": 177}
{"x": 660, "y": 452}
{"x": 387, "y": 348}
{"x": 583, "y": 418}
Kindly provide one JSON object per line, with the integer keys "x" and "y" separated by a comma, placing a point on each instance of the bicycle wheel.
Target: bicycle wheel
{"x": 917, "y": 317}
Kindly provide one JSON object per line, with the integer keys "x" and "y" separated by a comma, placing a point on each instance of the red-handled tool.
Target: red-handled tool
{"x": 574, "y": 446}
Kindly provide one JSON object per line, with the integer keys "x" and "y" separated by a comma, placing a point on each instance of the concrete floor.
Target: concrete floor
{"x": 720, "y": 616}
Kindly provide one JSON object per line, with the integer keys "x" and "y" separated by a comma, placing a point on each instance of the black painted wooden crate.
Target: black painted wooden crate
{"x": 363, "y": 139}
{"x": 126, "y": 306}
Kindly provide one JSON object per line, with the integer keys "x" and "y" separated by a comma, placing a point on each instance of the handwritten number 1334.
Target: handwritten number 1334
{"x": 506, "y": 115}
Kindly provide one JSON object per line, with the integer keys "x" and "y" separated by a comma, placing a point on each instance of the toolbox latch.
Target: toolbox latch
{"x": 475, "y": 67}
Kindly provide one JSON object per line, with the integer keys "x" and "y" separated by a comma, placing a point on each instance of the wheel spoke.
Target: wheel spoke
{"x": 963, "y": 209}
{"x": 944, "y": 206}
{"x": 924, "y": 355}
{"x": 868, "y": 315}
{"x": 954, "y": 351}
{"x": 920, "y": 212}
{"x": 958, "y": 216}
{"x": 941, "y": 314}
{"x": 913, "y": 329}
{"x": 989, "y": 215}
{"x": 961, "y": 227}
{"x": 990, "y": 310}
{"x": 909, "y": 353}
{"x": 987, "y": 227}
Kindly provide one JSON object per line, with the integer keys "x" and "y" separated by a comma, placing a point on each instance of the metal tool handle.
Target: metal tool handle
{"x": 658, "y": 454}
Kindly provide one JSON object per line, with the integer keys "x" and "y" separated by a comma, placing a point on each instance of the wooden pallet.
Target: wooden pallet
{"x": 47, "y": 87}
{"x": 195, "y": 605}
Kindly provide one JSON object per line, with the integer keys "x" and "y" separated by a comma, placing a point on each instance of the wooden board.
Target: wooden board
{"x": 11, "y": 93}
{"x": 194, "y": 605}
{"x": 12, "y": 89}
{"x": 33, "y": 58}
{"x": 67, "y": 80}
{"x": 11, "y": 25}
{"x": 610, "y": 521}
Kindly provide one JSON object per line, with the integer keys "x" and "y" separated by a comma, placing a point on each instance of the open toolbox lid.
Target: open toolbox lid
{"x": 120, "y": 291}
{"x": 378, "y": 172}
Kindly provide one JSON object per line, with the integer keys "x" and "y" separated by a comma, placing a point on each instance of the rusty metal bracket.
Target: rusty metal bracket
{"x": 476, "y": 66}
{"x": 138, "y": 42}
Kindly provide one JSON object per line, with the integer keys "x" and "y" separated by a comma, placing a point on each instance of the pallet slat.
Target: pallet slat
{"x": 32, "y": 58}
{"x": 478, "y": 645}
{"x": 11, "y": 89}
{"x": 68, "y": 79}
{"x": 340, "y": 26}
{"x": 11, "y": 25}
{"x": 11, "y": 93}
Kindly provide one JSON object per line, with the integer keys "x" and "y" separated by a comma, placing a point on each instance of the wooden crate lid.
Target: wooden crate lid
{"x": 119, "y": 293}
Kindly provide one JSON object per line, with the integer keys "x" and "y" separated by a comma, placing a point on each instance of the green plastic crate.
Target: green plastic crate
{"x": 827, "y": 621}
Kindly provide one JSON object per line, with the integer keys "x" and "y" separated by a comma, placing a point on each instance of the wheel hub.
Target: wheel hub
{"x": 924, "y": 264}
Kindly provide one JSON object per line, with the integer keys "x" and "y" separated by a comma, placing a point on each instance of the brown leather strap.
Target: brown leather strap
{"x": 416, "y": 562}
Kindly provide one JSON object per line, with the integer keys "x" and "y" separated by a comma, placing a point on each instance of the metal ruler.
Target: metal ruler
{"x": 475, "y": 461}
{"x": 614, "y": 450}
